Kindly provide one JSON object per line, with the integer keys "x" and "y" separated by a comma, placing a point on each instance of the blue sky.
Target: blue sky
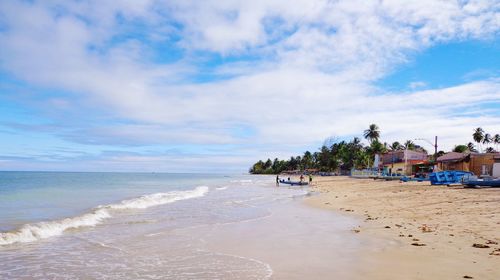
{"x": 214, "y": 86}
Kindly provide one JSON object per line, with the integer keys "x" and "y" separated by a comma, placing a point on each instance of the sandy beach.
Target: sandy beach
{"x": 432, "y": 232}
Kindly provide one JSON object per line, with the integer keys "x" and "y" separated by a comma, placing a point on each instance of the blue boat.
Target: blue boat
{"x": 414, "y": 179}
{"x": 482, "y": 183}
{"x": 448, "y": 177}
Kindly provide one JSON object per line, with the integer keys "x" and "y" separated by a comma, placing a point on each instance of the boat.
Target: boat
{"x": 414, "y": 179}
{"x": 449, "y": 177}
{"x": 387, "y": 177}
{"x": 482, "y": 183}
{"x": 292, "y": 183}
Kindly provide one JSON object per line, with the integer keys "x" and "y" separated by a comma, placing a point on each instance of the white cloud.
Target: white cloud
{"x": 312, "y": 77}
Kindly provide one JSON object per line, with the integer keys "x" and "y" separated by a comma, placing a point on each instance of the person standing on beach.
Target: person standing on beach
{"x": 310, "y": 179}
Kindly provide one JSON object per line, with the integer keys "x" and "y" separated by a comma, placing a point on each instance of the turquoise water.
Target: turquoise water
{"x": 27, "y": 197}
{"x": 56, "y": 225}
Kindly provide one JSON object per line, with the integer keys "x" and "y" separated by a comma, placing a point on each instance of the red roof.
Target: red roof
{"x": 452, "y": 156}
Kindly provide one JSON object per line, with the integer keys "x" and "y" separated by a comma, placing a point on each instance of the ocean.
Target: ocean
{"x": 61, "y": 225}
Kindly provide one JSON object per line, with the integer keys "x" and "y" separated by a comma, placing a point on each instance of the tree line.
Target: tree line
{"x": 345, "y": 155}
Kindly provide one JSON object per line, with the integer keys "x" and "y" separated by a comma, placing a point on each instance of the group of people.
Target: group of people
{"x": 301, "y": 179}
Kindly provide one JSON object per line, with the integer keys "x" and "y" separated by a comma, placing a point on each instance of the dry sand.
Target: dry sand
{"x": 430, "y": 230}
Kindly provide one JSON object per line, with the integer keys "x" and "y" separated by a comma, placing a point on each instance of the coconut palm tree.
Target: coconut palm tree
{"x": 396, "y": 146}
{"x": 487, "y": 139}
{"x": 372, "y": 133}
{"x": 478, "y": 136}
{"x": 307, "y": 160}
{"x": 470, "y": 147}
{"x": 490, "y": 150}
{"x": 409, "y": 145}
{"x": 496, "y": 140}
{"x": 375, "y": 148}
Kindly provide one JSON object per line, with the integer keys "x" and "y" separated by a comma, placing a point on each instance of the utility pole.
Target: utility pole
{"x": 435, "y": 153}
{"x": 435, "y": 148}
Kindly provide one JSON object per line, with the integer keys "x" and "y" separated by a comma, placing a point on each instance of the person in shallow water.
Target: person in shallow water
{"x": 277, "y": 180}
{"x": 310, "y": 179}
{"x": 301, "y": 178}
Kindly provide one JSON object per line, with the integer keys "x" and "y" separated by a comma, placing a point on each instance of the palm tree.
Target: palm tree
{"x": 396, "y": 146}
{"x": 375, "y": 148}
{"x": 487, "y": 139}
{"x": 372, "y": 133}
{"x": 307, "y": 160}
{"x": 409, "y": 145}
{"x": 496, "y": 140}
{"x": 490, "y": 150}
{"x": 478, "y": 136}
{"x": 471, "y": 147}
{"x": 356, "y": 141}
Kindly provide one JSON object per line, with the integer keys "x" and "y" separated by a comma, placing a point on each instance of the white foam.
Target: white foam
{"x": 149, "y": 200}
{"x": 41, "y": 230}
{"x": 241, "y": 181}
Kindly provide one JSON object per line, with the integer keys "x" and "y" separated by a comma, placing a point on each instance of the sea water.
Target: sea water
{"x": 56, "y": 225}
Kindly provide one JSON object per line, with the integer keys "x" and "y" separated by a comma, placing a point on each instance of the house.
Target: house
{"x": 454, "y": 161}
{"x": 480, "y": 164}
{"x": 404, "y": 162}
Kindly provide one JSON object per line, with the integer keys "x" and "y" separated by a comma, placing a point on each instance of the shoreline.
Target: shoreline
{"x": 430, "y": 230}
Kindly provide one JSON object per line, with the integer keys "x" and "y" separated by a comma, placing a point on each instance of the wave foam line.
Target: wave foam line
{"x": 41, "y": 230}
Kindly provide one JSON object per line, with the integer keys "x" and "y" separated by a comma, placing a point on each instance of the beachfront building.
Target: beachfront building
{"x": 480, "y": 164}
{"x": 404, "y": 162}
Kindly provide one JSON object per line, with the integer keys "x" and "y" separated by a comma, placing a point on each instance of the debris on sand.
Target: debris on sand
{"x": 426, "y": 228}
{"x": 418, "y": 244}
{"x": 495, "y": 252}
{"x": 468, "y": 277}
{"x": 479, "y": 245}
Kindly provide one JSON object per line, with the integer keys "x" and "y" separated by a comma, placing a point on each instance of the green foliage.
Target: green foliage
{"x": 471, "y": 147}
{"x": 461, "y": 148}
{"x": 395, "y": 146}
{"x": 481, "y": 137}
{"x": 372, "y": 133}
{"x": 490, "y": 150}
{"x": 341, "y": 155}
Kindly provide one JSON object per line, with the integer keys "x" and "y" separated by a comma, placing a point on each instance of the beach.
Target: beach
{"x": 57, "y": 225}
{"x": 201, "y": 226}
{"x": 429, "y": 232}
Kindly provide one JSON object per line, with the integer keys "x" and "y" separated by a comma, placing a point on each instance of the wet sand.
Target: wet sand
{"x": 296, "y": 241}
{"x": 429, "y": 232}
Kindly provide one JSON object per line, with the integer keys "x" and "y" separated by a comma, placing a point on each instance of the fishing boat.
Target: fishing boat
{"x": 414, "y": 179}
{"x": 448, "y": 177}
{"x": 482, "y": 183}
{"x": 292, "y": 183}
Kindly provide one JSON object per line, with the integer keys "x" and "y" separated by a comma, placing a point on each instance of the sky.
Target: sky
{"x": 214, "y": 86}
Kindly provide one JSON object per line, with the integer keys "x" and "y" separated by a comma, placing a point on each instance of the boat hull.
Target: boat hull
{"x": 448, "y": 177}
{"x": 483, "y": 183}
{"x": 294, "y": 183}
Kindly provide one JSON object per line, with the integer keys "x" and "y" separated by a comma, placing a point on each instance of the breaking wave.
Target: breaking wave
{"x": 41, "y": 230}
